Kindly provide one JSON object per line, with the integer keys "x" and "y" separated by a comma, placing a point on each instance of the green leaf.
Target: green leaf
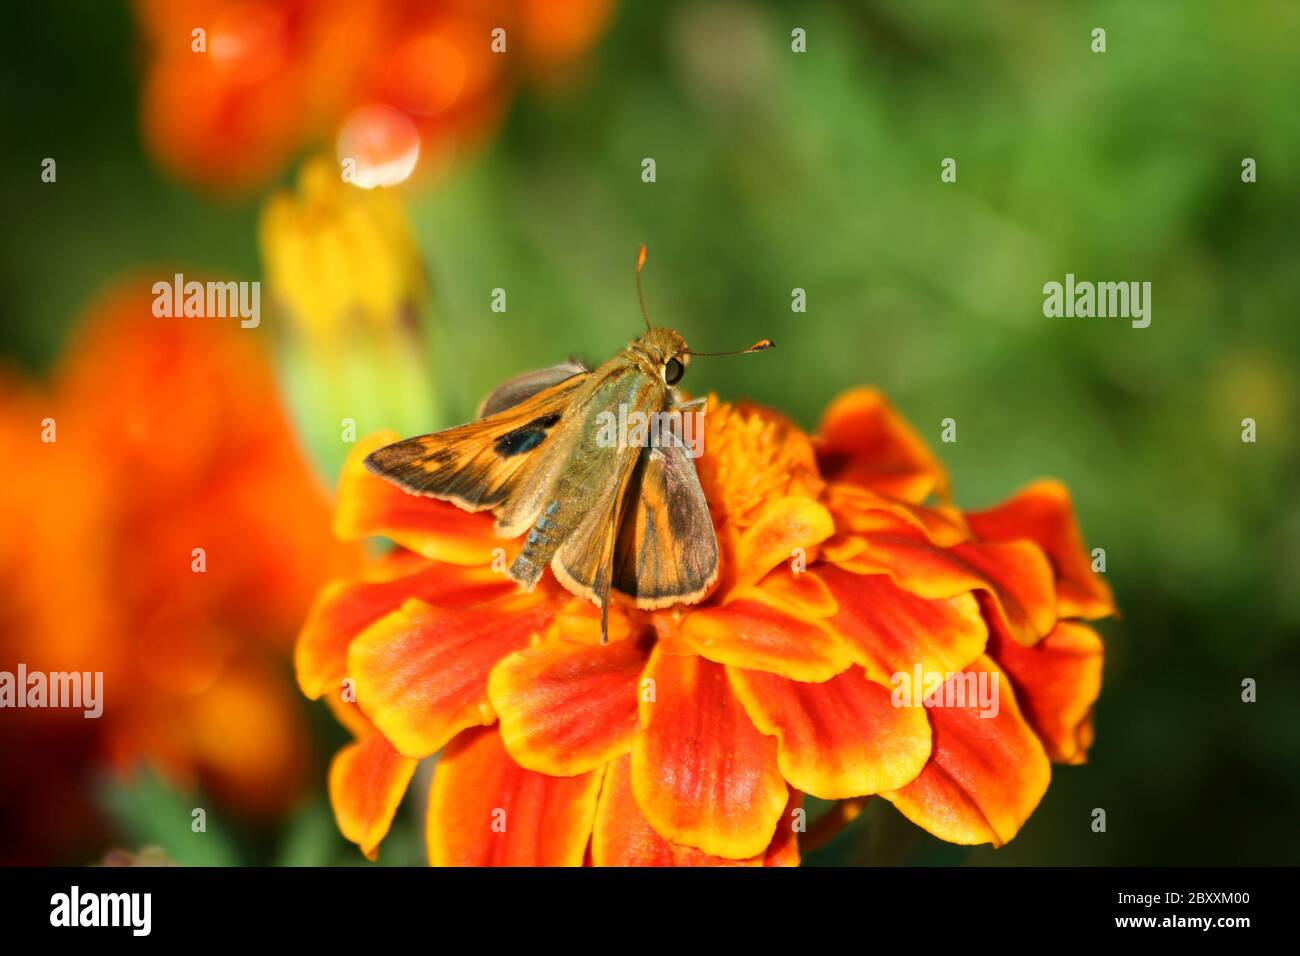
{"x": 148, "y": 811}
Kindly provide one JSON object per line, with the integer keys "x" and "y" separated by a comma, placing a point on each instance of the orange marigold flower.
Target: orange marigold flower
{"x": 691, "y": 737}
{"x": 235, "y": 89}
{"x": 156, "y": 437}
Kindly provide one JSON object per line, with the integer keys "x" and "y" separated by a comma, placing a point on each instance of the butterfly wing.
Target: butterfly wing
{"x": 510, "y": 393}
{"x": 602, "y": 514}
{"x": 574, "y": 511}
{"x": 480, "y": 465}
{"x": 585, "y": 562}
{"x": 666, "y": 551}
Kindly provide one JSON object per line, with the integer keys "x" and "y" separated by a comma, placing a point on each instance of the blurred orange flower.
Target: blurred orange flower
{"x": 167, "y": 437}
{"x": 236, "y": 88}
{"x": 690, "y": 738}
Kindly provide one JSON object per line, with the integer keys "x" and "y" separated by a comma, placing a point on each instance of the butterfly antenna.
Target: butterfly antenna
{"x": 758, "y": 346}
{"x": 640, "y": 292}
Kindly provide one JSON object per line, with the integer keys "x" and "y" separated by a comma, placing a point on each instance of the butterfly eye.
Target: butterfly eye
{"x": 673, "y": 371}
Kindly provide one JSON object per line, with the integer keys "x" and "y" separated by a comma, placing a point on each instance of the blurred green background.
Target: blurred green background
{"x": 821, "y": 171}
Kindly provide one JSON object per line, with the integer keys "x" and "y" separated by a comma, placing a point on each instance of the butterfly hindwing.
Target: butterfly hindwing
{"x": 522, "y": 387}
{"x": 666, "y": 551}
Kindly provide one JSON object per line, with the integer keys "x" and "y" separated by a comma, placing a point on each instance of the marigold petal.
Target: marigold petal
{"x": 345, "y": 710}
{"x": 891, "y": 630}
{"x": 863, "y": 511}
{"x": 1014, "y": 575}
{"x": 840, "y": 738}
{"x": 843, "y": 548}
{"x": 578, "y": 620}
{"x": 344, "y": 609}
{"x": 421, "y": 672}
{"x": 368, "y": 505}
{"x": 784, "y": 848}
{"x": 753, "y": 457}
{"x": 567, "y": 708}
{"x": 1057, "y": 682}
{"x": 702, "y": 773}
{"x": 1018, "y": 586}
{"x": 366, "y": 782}
{"x": 623, "y": 837}
{"x": 985, "y": 775}
{"x": 1044, "y": 514}
{"x": 782, "y": 529}
{"x": 762, "y": 632}
{"x": 804, "y": 591}
{"x": 864, "y": 441}
{"x": 486, "y": 810}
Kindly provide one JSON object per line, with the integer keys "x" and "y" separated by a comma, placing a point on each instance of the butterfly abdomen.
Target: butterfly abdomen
{"x": 540, "y": 545}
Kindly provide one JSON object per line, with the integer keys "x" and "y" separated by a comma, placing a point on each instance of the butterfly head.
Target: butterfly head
{"x": 666, "y": 352}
